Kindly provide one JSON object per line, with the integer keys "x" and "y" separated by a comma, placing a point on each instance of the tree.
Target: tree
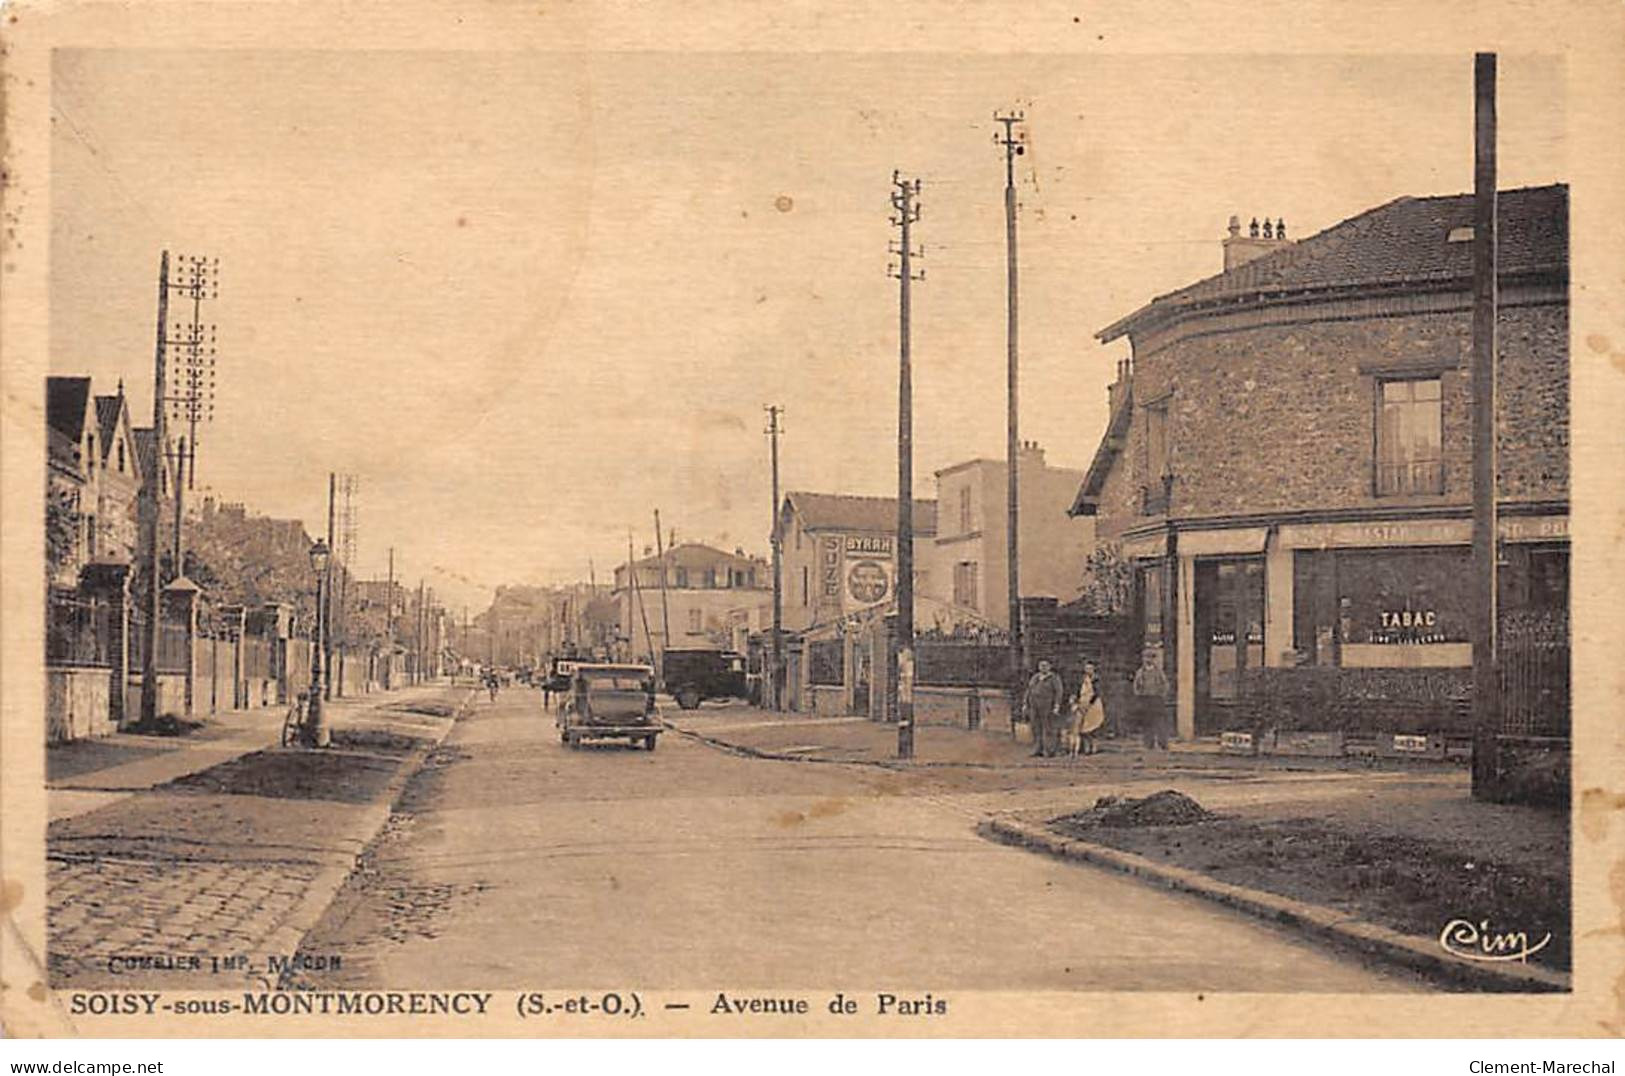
{"x": 62, "y": 520}
{"x": 1108, "y": 581}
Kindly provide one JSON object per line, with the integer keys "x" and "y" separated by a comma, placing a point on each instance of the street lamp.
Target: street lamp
{"x": 316, "y": 734}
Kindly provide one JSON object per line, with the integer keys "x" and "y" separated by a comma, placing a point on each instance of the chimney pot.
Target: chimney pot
{"x": 1252, "y": 229}
{"x": 1280, "y": 228}
{"x": 1235, "y": 226}
{"x": 1269, "y": 229}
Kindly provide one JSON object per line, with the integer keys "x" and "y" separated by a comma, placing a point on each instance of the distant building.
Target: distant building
{"x": 839, "y": 554}
{"x": 702, "y": 588}
{"x": 94, "y": 471}
{"x": 969, "y": 560}
{"x": 1288, "y": 459}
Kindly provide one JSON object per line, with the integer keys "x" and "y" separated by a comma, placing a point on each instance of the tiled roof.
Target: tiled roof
{"x": 145, "y": 438}
{"x": 66, "y": 400}
{"x": 838, "y": 511}
{"x": 1405, "y": 241}
{"x": 107, "y": 413}
{"x": 697, "y": 555}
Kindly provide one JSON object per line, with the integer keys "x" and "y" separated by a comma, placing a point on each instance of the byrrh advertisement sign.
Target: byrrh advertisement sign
{"x": 868, "y": 545}
{"x": 868, "y": 569}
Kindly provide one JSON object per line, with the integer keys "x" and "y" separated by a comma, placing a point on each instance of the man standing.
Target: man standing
{"x": 1150, "y": 695}
{"x": 1045, "y": 696}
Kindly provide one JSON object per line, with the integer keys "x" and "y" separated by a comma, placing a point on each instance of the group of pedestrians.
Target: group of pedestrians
{"x": 1056, "y": 716}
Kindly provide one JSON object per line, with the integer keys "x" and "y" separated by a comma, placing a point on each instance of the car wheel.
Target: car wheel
{"x": 649, "y": 742}
{"x": 688, "y": 697}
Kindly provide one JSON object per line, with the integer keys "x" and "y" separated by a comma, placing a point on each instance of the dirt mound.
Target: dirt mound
{"x": 428, "y": 709}
{"x": 1165, "y": 808}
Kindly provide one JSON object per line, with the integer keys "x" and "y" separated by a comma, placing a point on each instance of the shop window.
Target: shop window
{"x": 965, "y": 588}
{"x": 1410, "y": 456}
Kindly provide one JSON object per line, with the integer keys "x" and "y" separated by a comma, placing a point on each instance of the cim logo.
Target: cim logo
{"x": 1476, "y": 941}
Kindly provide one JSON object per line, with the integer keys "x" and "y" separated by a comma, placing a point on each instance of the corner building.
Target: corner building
{"x": 1288, "y": 458}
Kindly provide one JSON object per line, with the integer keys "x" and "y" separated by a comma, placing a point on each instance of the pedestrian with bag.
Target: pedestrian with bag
{"x": 1045, "y": 697}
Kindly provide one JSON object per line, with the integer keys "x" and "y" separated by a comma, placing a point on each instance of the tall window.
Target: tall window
{"x": 695, "y": 625}
{"x": 966, "y": 523}
{"x": 1410, "y": 458}
{"x": 121, "y": 457}
{"x": 1156, "y": 441}
{"x": 806, "y": 585}
{"x": 965, "y": 584}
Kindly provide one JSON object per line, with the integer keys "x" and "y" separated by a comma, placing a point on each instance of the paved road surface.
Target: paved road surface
{"x": 518, "y": 863}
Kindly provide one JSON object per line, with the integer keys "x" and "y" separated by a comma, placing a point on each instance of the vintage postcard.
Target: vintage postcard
{"x": 734, "y": 520}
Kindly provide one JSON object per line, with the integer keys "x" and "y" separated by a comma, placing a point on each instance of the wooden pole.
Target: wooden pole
{"x": 1486, "y": 300}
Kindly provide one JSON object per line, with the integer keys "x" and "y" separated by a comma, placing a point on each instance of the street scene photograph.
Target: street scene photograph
{"x": 578, "y": 541}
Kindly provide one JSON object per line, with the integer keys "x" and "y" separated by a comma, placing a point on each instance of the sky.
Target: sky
{"x": 528, "y": 298}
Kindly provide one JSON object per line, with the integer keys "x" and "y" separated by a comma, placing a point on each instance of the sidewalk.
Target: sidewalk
{"x": 194, "y": 862}
{"x": 1397, "y": 843}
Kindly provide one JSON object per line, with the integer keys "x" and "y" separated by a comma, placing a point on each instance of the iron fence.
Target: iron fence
{"x": 1534, "y": 675}
{"x": 78, "y": 630}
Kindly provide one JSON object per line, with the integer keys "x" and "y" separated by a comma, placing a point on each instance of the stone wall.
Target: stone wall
{"x": 77, "y": 702}
{"x": 1281, "y": 417}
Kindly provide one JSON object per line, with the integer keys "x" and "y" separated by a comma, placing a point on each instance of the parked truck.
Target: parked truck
{"x": 692, "y": 675}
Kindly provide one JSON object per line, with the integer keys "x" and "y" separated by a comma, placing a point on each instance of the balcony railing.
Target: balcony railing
{"x": 1410, "y": 477}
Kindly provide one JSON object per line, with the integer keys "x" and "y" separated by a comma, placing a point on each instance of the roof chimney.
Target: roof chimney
{"x": 1260, "y": 240}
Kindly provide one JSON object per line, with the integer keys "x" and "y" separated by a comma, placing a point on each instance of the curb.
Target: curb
{"x": 1383, "y": 943}
{"x": 886, "y": 764}
{"x": 290, "y": 935}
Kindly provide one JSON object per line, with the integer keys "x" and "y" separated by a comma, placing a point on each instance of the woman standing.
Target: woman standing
{"x": 1091, "y": 710}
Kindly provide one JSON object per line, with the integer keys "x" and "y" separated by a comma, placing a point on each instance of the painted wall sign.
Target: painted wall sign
{"x": 869, "y": 545}
{"x": 867, "y": 582}
{"x": 829, "y": 567}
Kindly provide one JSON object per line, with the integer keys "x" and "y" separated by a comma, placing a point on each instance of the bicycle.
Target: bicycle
{"x": 293, "y": 722}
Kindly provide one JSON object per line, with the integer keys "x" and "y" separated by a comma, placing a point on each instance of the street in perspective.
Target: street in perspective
{"x": 969, "y": 566}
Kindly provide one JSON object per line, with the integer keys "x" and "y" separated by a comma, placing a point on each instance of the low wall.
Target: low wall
{"x": 952, "y": 706}
{"x": 78, "y": 702}
{"x": 1335, "y": 699}
{"x": 825, "y": 701}
{"x": 171, "y": 697}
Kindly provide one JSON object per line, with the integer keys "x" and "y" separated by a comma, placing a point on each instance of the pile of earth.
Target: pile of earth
{"x": 429, "y": 709}
{"x": 1165, "y": 808}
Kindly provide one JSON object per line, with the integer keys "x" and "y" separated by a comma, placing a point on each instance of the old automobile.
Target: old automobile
{"x": 694, "y": 674}
{"x": 609, "y": 702}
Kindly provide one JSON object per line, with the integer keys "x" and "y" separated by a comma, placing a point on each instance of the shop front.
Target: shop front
{"x": 1380, "y": 607}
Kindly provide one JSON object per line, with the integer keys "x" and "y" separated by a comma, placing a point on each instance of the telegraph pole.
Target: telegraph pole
{"x": 1486, "y": 300}
{"x": 776, "y": 673}
{"x": 634, "y": 592}
{"x": 327, "y": 595}
{"x": 422, "y": 625}
{"x": 665, "y": 609}
{"x": 906, "y": 207}
{"x": 1012, "y": 139}
{"x": 192, "y": 350}
{"x": 150, "y": 505}
{"x": 389, "y": 657}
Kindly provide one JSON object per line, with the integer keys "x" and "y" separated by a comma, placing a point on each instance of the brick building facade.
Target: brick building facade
{"x": 1288, "y": 456}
